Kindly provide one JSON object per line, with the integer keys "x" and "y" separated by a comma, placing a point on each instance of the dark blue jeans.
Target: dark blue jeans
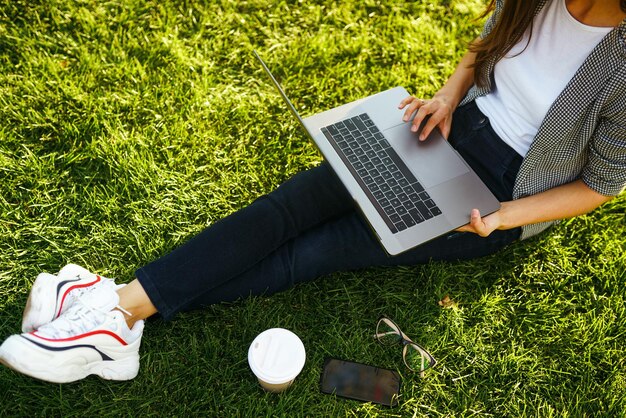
{"x": 308, "y": 227}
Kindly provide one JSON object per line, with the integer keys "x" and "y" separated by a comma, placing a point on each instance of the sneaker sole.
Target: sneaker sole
{"x": 123, "y": 369}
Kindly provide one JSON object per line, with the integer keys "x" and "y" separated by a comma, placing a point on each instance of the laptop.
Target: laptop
{"x": 409, "y": 191}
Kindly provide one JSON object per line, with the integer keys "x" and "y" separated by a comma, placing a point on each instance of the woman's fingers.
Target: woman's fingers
{"x": 405, "y": 102}
{"x": 417, "y": 107}
{"x": 482, "y": 226}
{"x": 475, "y": 224}
{"x": 412, "y": 104}
{"x": 438, "y": 112}
{"x": 437, "y": 119}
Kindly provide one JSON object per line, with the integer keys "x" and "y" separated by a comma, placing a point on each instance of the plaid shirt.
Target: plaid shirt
{"x": 583, "y": 135}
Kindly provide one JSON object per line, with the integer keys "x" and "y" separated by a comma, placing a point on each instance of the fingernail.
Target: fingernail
{"x": 413, "y": 128}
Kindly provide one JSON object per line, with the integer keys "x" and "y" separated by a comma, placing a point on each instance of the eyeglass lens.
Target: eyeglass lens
{"x": 387, "y": 332}
{"x": 415, "y": 358}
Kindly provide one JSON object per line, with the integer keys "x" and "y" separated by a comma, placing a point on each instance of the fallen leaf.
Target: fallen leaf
{"x": 447, "y": 303}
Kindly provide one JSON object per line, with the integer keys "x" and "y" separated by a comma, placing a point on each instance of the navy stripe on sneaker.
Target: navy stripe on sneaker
{"x": 64, "y": 282}
{"x": 57, "y": 308}
{"x": 71, "y": 347}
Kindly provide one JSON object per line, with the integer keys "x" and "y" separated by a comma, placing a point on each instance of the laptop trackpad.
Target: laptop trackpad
{"x": 433, "y": 161}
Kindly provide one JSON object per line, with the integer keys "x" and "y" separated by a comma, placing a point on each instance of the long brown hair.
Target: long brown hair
{"x": 515, "y": 18}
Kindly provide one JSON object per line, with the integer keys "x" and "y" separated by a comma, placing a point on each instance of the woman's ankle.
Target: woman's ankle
{"x": 134, "y": 303}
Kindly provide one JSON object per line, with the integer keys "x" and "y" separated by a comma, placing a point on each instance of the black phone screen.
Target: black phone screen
{"x": 360, "y": 381}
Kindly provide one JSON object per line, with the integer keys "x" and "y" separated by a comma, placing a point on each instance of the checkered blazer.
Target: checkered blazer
{"x": 583, "y": 135}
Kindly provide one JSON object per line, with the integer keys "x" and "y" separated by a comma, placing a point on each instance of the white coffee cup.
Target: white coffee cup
{"x": 276, "y": 357}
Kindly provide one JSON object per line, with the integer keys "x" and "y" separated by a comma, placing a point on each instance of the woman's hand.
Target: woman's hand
{"x": 564, "y": 201}
{"x": 482, "y": 226}
{"x": 443, "y": 103}
{"x": 438, "y": 110}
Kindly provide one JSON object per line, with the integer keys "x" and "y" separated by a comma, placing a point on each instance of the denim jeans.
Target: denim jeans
{"x": 308, "y": 227}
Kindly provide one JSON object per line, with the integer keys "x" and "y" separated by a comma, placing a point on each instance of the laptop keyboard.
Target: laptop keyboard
{"x": 394, "y": 191}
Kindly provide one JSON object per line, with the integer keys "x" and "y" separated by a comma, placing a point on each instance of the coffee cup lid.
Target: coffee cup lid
{"x": 276, "y": 356}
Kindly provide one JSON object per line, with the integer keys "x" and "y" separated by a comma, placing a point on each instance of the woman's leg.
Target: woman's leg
{"x": 233, "y": 245}
{"x": 342, "y": 245}
{"x": 346, "y": 244}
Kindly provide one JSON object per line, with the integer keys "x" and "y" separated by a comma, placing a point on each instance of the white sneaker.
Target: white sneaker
{"x": 52, "y": 295}
{"x": 91, "y": 337}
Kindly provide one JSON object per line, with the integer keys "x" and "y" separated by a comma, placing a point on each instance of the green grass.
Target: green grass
{"x": 128, "y": 126}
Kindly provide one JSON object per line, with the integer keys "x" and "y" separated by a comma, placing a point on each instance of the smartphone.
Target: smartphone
{"x": 360, "y": 381}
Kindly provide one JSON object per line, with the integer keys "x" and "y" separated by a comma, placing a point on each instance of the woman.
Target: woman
{"x": 537, "y": 108}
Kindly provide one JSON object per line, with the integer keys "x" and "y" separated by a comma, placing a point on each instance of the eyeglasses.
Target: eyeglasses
{"x": 415, "y": 357}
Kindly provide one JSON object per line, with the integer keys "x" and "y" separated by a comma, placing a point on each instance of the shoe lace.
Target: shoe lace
{"x": 79, "y": 292}
{"x": 80, "y": 318}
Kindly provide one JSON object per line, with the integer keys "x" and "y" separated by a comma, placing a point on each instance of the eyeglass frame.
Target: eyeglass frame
{"x": 406, "y": 342}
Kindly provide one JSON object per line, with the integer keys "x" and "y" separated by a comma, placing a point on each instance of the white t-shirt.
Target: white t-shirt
{"x": 527, "y": 84}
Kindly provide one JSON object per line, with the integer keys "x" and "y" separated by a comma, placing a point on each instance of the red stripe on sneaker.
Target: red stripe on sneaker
{"x": 78, "y": 286}
{"x": 78, "y": 337}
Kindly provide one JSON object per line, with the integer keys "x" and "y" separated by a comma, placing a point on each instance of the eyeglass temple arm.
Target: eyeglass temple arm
{"x": 402, "y": 334}
{"x": 382, "y": 334}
